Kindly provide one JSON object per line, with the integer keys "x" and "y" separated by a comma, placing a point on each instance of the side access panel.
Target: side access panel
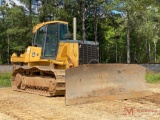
{"x": 100, "y": 82}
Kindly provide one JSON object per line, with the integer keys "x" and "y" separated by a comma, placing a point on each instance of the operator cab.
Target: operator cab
{"x": 48, "y": 37}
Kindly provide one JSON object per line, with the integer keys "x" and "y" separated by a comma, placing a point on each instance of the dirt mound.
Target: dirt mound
{"x": 155, "y": 98}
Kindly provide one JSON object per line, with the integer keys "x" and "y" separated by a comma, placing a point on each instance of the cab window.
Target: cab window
{"x": 63, "y": 31}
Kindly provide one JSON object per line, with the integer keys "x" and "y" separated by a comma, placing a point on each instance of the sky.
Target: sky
{"x": 17, "y": 2}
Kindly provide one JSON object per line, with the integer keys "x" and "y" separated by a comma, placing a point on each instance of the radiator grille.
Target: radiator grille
{"x": 88, "y": 54}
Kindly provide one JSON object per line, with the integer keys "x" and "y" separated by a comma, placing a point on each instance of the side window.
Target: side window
{"x": 63, "y": 31}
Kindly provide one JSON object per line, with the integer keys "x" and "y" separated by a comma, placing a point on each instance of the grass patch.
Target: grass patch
{"x": 153, "y": 77}
{"x": 5, "y": 79}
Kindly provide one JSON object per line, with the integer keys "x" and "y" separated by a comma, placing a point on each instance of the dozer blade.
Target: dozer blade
{"x": 100, "y": 82}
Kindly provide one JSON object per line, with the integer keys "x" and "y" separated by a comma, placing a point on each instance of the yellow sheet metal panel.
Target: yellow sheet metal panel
{"x": 15, "y": 58}
{"x": 33, "y": 54}
{"x": 68, "y": 53}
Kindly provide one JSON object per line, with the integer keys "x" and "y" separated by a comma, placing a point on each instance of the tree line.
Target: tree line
{"x": 127, "y": 30}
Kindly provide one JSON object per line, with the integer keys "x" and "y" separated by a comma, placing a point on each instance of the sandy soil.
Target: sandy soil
{"x": 23, "y": 106}
{"x": 6, "y": 117}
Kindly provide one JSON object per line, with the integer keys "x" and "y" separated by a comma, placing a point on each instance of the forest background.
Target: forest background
{"x": 128, "y": 31}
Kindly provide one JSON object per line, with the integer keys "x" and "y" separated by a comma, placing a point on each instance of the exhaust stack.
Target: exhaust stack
{"x": 74, "y": 28}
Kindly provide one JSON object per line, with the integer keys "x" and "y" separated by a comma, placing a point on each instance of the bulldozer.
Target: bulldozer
{"x": 55, "y": 65}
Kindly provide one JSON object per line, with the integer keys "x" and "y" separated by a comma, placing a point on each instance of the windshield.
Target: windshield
{"x": 39, "y": 36}
{"x": 50, "y": 47}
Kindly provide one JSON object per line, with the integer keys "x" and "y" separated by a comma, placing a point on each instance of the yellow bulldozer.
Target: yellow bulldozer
{"x": 56, "y": 65}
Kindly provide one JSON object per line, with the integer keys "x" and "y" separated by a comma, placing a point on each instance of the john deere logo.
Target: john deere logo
{"x": 33, "y": 54}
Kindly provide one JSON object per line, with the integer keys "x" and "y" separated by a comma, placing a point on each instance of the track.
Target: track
{"x": 42, "y": 80}
{"x": 24, "y": 106}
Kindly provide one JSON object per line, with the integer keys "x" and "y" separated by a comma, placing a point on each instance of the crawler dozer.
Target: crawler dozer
{"x": 55, "y": 65}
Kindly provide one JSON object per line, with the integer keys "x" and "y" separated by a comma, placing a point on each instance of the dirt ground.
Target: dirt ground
{"x": 23, "y": 106}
